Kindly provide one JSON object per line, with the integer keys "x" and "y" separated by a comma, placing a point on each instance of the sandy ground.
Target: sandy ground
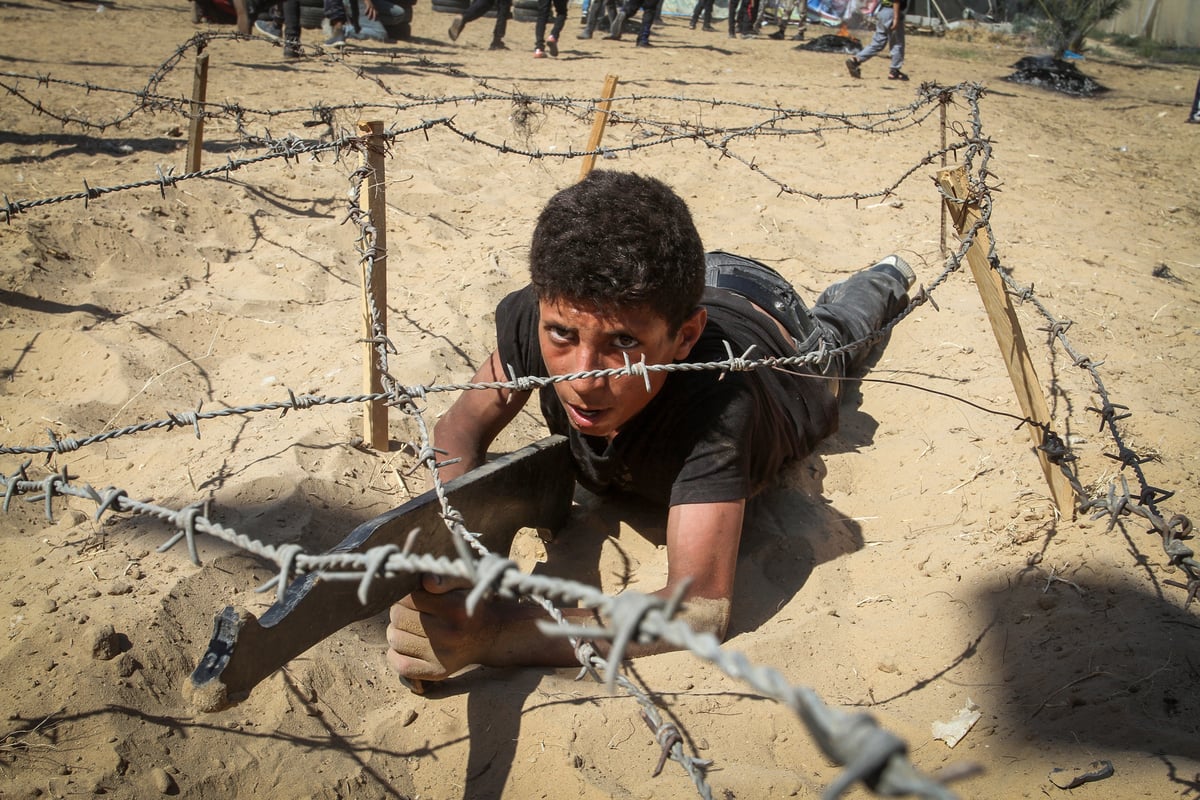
{"x": 913, "y": 566}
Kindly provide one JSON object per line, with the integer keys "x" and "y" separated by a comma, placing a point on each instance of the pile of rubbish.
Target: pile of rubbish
{"x": 1055, "y": 74}
{"x": 830, "y": 43}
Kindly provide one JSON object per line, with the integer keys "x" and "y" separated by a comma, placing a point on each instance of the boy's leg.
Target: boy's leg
{"x": 539, "y": 28}
{"x": 883, "y": 33}
{"x": 476, "y": 10}
{"x": 291, "y": 28}
{"x": 649, "y": 9}
{"x": 898, "y": 49}
{"x": 623, "y": 12}
{"x": 595, "y": 11}
{"x": 335, "y": 11}
{"x": 502, "y": 11}
{"x": 862, "y": 304}
{"x": 560, "y": 22}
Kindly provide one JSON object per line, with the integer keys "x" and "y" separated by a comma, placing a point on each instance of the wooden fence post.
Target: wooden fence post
{"x": 196, "y": 112}
{"x": 374, "y": 286}
{"x": 1006, "y": 327}
{"x": 598, "y": 123}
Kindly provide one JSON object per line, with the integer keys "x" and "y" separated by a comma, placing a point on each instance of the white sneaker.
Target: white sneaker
{"x": 264, "y": 27}
{"x": 898, "y": 268}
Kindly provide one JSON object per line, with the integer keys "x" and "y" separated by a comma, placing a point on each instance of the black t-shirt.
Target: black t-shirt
{"x": 708, "y": 436}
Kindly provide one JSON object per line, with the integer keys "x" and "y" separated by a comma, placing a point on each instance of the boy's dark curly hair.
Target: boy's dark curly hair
{"x": 617, "y": 240}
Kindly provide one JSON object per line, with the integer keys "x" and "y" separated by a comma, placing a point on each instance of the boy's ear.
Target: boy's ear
{"x": 689, "y": 332}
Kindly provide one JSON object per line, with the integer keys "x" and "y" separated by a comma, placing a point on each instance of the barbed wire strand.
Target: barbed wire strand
{"x": 868, "y": 753}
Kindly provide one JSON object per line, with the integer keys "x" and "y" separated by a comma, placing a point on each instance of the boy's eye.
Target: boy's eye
{"x": 558, "y": 333}
{"x": 625, "y": 341}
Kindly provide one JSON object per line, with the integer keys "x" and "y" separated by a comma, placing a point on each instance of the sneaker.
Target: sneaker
{"x": 897, "y": 75}
{"x": 539, "y": 52}
{"x": 456, "y": 26}
{"x": 497, "y": 44}
{"x": 264, "y": 27}
{"x": 852, "y": 67}
{"x": 776, "y": 35}
{"x": 692, "y": 25}
{"x": 291, "y": 50}
{"x": 552, "y": 45}
{"x": 798, "y": 35}
{"x": 708, "y": 28}
{"x": 896, "y": 267}
{"x": 643, "y": 43}
{"x": 337, "y": 38}
{"x": 583, "y": 35}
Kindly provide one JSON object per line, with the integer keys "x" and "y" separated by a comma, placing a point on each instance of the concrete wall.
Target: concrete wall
{"x": 1170, "y": 22}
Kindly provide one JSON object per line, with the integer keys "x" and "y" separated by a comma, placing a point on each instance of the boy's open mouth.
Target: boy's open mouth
{"x": 584, "y": 417}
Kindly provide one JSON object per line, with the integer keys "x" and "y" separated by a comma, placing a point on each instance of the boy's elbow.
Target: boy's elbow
{"x": 708, "y": 615}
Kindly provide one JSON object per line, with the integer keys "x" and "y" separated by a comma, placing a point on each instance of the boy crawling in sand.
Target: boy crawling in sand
{"x": 618, "y": 270}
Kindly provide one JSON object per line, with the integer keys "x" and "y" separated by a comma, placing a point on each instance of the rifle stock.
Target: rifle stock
{"x": 531, "y": 487}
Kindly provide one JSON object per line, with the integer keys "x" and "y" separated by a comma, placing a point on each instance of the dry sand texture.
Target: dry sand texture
{"x": 912, "y": 567}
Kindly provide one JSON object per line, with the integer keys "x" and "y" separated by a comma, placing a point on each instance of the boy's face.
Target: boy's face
{"x": 575, "y": 339}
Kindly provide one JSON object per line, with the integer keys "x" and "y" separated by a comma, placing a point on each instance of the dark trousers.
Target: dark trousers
{"x": 480, "y": 7}
{"x": 740, "y": 16}
{"x": 648, "y": 9}
{"x": 335, "y": 11}
{"x": 854, "y": 308}
{"x": 543, "y": 17}
{"x": 704, "y": 7}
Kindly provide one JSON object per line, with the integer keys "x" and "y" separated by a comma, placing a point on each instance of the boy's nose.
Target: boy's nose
{"x": 587, "y": 360}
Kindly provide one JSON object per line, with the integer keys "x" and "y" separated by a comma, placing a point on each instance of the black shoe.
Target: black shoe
{"x": 852, "y": 67}
{"x": 708, "y": 28}
{"x": 692, "y": 25}
{"x": 497, "y": 44}
{"x": 644, "y": 44}
{"x": 896, "y": 267}
{"x": 777, "y": 35}
{"x": 897, "y": 75}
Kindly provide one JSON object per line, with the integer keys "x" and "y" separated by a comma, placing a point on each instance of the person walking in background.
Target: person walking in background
{"x": 1195, "y": 117}
{"x": 741, "y": 18}
{"x": 549, "y": 44}
{"x": 704, "y": 7}
{"x": 597, "y": 11}
{"x": 784, "y": 12}
{"x": 889, "y": 27}
{"x": 631, "y": 7}
{"x": 476, "y": 10}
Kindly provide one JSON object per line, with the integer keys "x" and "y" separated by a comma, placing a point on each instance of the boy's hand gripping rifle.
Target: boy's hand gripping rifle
{"x": 529, "y": 488}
